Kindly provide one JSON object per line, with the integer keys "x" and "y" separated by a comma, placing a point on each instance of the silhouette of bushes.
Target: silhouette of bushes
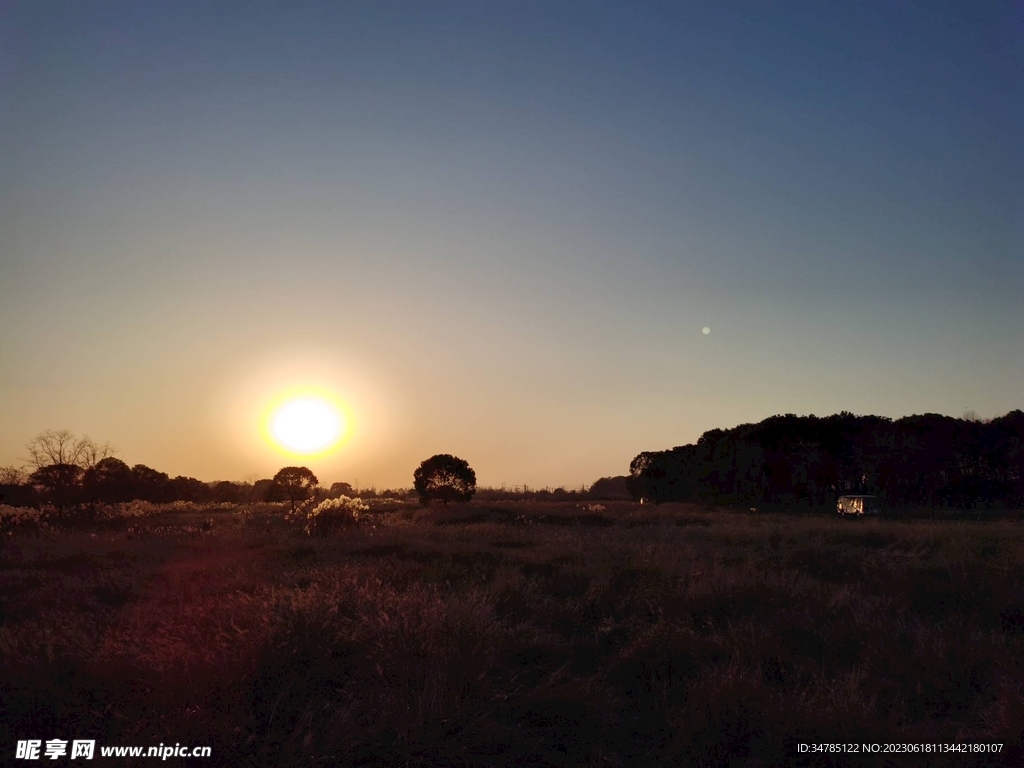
{"x": 332, "y": 515}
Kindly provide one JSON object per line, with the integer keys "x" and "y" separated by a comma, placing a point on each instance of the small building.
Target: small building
{"x": 859, "y": 505}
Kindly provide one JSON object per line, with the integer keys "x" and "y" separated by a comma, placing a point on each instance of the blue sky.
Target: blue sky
{"x": 497, "y": 229}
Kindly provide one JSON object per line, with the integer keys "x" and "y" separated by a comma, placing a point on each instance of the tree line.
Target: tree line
{"x": 67, "y": 470}
{"x": 924, "y": 460}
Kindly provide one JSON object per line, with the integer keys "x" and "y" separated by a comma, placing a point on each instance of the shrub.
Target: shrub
{"x": 17, "y": 517}
{"x": 130, "y": 509}
{"x": 332, "y": 514}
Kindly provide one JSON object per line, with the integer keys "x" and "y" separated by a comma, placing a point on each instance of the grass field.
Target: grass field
{"x": 519, "y": 635}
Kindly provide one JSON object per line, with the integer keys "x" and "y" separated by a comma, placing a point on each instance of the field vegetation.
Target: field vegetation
{"x": 504, "y": 634}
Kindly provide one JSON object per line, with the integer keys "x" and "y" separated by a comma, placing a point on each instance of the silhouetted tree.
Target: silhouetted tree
{"x": 109, "y": 480}
{"x": 12, "y": 476}
{"x": 638, "y": 482}
{"x": 189, "y": 489}
{"x": 262, "y": 490}
{"x": 15, "y": 488}
{"x": 1002, "y": 447}
{"x": 61, "y": 484}
{"x": 150, "y": 484}
{"x": 226, "y": 492}
{"x": 63, "y": 447}
{"x": 293, "y": 484}
{"x": 341, "y": 489}
{"x": 927, "y": 459}
{"x": 607, "y": 488}
{"x": 446, "y": 478}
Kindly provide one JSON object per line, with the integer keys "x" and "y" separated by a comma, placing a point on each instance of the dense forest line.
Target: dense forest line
{"x": 924, "y": 460}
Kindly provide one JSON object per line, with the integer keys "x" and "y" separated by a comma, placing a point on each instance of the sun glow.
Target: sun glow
{"x": 306, "y": 424}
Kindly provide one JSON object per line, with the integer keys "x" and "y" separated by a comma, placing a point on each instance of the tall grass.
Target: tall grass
{"x": 522, "y": 635}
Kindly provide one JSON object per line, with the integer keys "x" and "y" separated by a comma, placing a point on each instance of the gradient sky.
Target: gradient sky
{"x": 497, "y": 229}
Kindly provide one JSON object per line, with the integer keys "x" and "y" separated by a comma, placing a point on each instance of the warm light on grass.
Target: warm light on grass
{"x": 306, "y": 424}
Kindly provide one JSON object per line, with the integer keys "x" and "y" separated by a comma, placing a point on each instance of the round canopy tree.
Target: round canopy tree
{"x": 109, "y": 480}
{"x": 293, "y": 484}
{"x": 444, "y": 477}
{"x": 341, "y": 489}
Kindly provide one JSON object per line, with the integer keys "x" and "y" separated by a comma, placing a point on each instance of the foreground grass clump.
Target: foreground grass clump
{"x": 334, "y": 515}
{"x": 518, "y": 635}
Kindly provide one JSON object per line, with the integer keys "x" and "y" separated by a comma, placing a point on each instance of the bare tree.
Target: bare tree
{"x": 64, "y": 447}
{"x": 13, "y": 476}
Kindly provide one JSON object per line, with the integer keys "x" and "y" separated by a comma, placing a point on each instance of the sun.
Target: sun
{"x": 306, "y": 424}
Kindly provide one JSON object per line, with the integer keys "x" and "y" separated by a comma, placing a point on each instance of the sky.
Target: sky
{"x": 499, "y": 229}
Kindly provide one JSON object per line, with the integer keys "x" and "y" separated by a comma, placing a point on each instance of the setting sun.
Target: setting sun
{"x": 306, "y": 425}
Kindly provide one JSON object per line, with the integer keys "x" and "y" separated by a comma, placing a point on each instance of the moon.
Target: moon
{"x": 705, "y": 330}
{"x": 306, "y": 425}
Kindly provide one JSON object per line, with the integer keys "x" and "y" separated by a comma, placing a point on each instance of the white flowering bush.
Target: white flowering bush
{"x": 192, "y": 506}
{"x": 130, "y": 510}
{"x": 16, "y": 517}
{"x": 332, "y": 514}
{"x": 389, "y": 501}
{"x": 301, "y": 513}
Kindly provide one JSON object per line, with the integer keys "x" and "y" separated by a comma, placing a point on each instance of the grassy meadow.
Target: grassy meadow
{"x": 517, "y": 635}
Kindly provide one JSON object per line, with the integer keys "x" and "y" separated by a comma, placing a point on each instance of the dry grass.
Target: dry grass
{"x": 519, "y": 635}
